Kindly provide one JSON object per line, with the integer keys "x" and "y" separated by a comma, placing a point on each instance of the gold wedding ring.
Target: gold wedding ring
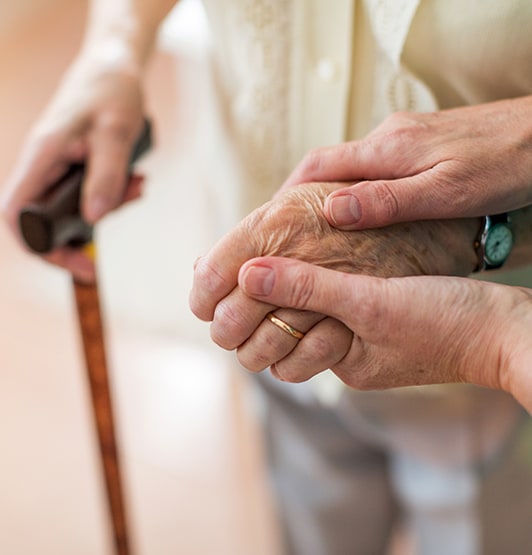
{"x": 281, "y": 324}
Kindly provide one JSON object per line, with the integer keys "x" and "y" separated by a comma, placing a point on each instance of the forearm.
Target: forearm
{"x": 124, "y": 31}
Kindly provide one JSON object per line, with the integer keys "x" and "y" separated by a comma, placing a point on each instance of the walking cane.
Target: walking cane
{"x": 54, "y": 221}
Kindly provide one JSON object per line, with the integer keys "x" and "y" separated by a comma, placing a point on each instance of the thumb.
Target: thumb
{"x": 294, "y": 284}
{"x": 372, "y": 204}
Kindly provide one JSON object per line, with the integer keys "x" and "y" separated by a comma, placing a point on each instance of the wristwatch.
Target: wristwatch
{"x": 494, "y": 242}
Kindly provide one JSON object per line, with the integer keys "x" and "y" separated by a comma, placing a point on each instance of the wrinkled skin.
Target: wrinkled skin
{"x": 293, "y": 225}
{"x": 403, "y": 331}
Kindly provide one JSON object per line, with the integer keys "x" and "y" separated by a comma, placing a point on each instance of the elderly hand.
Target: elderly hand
{"x": 468, "y": 161}
{"x": 293, "y": 226}
{"x": 95, "y": 117}
{"x": 410, "y": 330}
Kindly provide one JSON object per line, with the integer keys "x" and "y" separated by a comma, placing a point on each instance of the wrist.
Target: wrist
{"x": 121, "y": 34}
{"x": 515, "y": 373}
{"x": 113, "y": 53}
{"x": 451, "y": 248}
{"x": 466, "y": 233}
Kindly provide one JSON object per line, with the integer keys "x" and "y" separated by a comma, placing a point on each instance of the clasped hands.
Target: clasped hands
{"x": 235, "y": 292}
{"x": 397, "y": 331}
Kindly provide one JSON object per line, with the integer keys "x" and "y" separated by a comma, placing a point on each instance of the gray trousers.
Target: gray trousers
{"x": 455, "y": 465}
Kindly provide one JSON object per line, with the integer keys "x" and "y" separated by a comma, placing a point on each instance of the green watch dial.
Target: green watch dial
{"x": 498, "y": 244}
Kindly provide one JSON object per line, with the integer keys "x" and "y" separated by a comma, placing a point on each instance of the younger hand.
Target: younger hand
{"x": 410, "y": 330}
{"x": 464, "y": 162}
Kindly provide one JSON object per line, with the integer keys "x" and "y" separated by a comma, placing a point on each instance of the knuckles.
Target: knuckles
{"x": 229, "y": 329}
{"x": 401, "y": 123}
{"x": 386, "y": 200}
{"x": 116, "y": 125}
{"x": 362, "y": 374}
{"x": 207, "y": 278}
{"x": 323, "y": 349}
{"x": 311, "y": 164}
{"x": 302, "y": 290}
{"x": 296, "y": 373}
{"x": 255, "y": 362}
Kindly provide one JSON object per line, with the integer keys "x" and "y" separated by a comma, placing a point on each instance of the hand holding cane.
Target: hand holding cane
{"x": 54, "y": 221}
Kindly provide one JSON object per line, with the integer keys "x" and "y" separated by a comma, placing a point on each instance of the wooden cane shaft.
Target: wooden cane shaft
{"x": 91, "y": 327}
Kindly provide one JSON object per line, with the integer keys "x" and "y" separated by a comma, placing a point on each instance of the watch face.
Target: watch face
{"x": 498, "y": 244}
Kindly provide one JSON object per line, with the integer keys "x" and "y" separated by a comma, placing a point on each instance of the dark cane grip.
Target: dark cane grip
{"x": 54, "y": 220}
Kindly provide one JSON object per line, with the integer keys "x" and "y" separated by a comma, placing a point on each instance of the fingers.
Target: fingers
{"x": 240, "y": 322}
{"x": 134, "y": 188}
{"x": 269, "y": 344}
{"x": 215, "y": 275}
{"x": 295, "y": 284}
{"x": 323, "y": 346}
{"x": 43, "y": 161}
{"x": 105, "y": 184}
{"x": 235, "y": 318}
{"x": 395, "y": 149}
{"x": 372, "y": 336}
{"x": 40, "y": 164}
{"x": 76, "y": 262}
{"x": 345, "y": 162}
{"x": 325, "y": 343}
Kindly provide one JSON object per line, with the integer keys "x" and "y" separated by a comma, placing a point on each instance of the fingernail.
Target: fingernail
{"x": 344, "y": 210}
{"x": 258, "y": 280}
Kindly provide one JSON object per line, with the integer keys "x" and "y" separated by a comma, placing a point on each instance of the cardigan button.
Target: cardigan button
{"x": 326, "y": 69}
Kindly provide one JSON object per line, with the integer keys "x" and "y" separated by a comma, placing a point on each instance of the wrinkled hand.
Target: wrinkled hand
{"x": 411, "y": 330}
{"x": 293, "y": 226}
{"x": 468, "y": 161}
{"x": 95, "y": 116}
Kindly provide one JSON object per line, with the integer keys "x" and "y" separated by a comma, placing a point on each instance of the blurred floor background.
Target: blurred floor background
{"x": 191, "y": 451}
